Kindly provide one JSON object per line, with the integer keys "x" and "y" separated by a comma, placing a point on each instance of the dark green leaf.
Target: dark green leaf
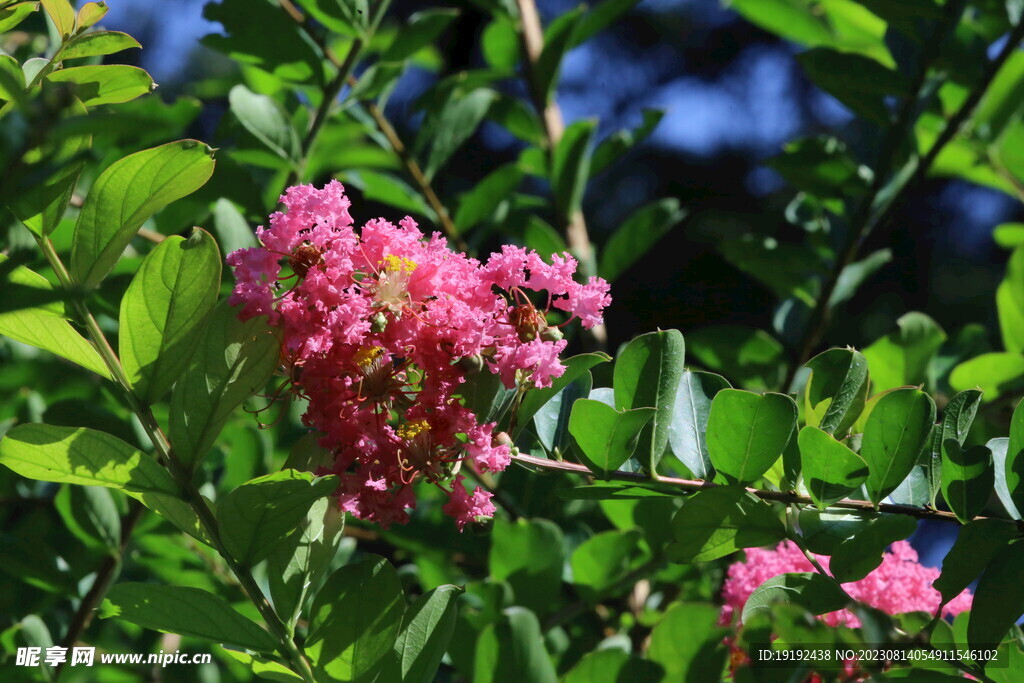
{"x": 749, "y": 357}
{"x": 861, "y": 553}
{"x": 390, "y": 190}
{"x": 646, "y": 375}
{"x": 185, "y": 611}
{"x": 999, "y": 598}
{"x": 687, "y": 432}
{"x": 897, "y": 430}
{"x": 570, "y": 166}
{"x": 267, "y": 120}
{"x": 12, "y": 15}
{"x": 575, "y": 367}
{"x": 90, "y": 513}
{"x": 637, "y": 235}
{"x": 609, "y": 665}
{"x": 355, "y": 620}
{"x": 602, "y": 559}
{"x": 1013, "y": 466}
{"x": 836, "y": 390}
{"x": 859, "y": 82}
{"x": 260, "y": 513}
{"x": 855, "y": 274}
{"x": 831, "y": 470}
{"x": 511, "y": 650}
{"x": 617, "y": 144}
{"x": 816, "y": 593}
{"x": 957, "y": 417}
{"x": 967, "y": 479}
{"x": 162, "y": 308}
{"x": 976, "y": 544}
{"x": 791, "y": 20}
{"x": 1010, "y": 303}
{"x": 999, "y": 447}
{"x": 457, "y": 122}
{"x": 486, "y": 396}
{"x": 551, "y": 422}
{"x": 125, "y": 195}
{"x": 747, "y": 433}
{"x": 823, "y": 532}
{"x": 558, "y": 40}
{"x": 480, "y": 202}
{"x": 529, "y": 554}
{"x": 719, "y": 521}
{"x": 687, "y": 643}
{"x": 419, "y": 30}
{"x": 232, "y": 362}
{"x": 426, "y": 631}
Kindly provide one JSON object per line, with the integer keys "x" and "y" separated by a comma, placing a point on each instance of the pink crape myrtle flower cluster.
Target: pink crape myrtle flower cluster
{"x": 383, "y": 324}
{"x": 900, "y": 584}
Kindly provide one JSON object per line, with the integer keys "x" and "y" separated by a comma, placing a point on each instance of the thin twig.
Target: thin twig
{"x": 788, "y": 497}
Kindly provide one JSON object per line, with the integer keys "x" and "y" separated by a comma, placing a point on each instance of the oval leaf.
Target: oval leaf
{"x": 606, "y": 437}
{"x": 967, "y": 479}
{"x": 747, "y": 433}
{"x": 104, "y": 83}
{"x": 687, "y": 433}
{"x": 898, "y": 429}
{"x": 831, "y": 470}
{"x": 719, "y": 521}
{"x": 836, "y": 390}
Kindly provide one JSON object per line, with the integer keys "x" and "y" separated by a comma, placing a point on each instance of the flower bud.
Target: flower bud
{"x": 378, "y": 322}
{"x": 551, "y": 334}
{"x": 471, "y": 364}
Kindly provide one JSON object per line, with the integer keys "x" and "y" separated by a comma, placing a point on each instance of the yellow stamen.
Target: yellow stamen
{"x": 398, "y": 264}
{"x": 411, "y": 430}
{"x": 367, "y": 354}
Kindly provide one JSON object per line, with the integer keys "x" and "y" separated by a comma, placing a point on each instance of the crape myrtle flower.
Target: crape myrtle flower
{"x": 382, "y": 325}
{"x": 900, "y": 584}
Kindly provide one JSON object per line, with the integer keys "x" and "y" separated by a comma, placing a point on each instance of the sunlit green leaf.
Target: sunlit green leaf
{"x": 747, "y": 433}
{"x": 719, "y": 521}
{"x": 898, "y": 429}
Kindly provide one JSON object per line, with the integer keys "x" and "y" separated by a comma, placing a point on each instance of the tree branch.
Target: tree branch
{"x": 788, "y": 497}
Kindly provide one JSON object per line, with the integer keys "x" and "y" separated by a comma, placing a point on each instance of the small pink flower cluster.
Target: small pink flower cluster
{"x": 900, "y": 584}
{"x": 383, "y": 325}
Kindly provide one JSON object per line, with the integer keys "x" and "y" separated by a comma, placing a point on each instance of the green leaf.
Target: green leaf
{"x": 558, "y": 40}
{"x": 125, "y": 195}
{"x": 1009, "y": 235}
{"x": 816, "y": 593}
{"x": 831, "y": 470}
{"x": 62, "y": 14}
{"x": 185, "y": 611}
{"x": 480, "y": 202}
{"x": 615, "y": 145}
{"x": 390, "y": 190}
{"x": 12, "y": 15}
{"x": 747, "y": 433}
{"x": 267, "y": 120}
{"x": 104, "y": 83}
{"x": 551, "y": 423}
{"x": 957, "y": 417}
{"x": 687, "y": 432}
{"x": 290, "y": 56}
{"x": 233, "y": 361}
{"x": 418, "y": 31}
{"x": 823, "y": 532}
{"x": 261, "y": 512}
{"x": 606, "y": 437}
{"x": 82, "y": 456}
{"x": 426, "y": 631}
{"x": 788, "y": 19}
{"x": 456, "y": 123}
{"x": 486, "y": 396}
{"x": 262, "y": 668}
{"x": 609, "y": 665}
{"x": 355, "y": 620}
{"x": 570, "y": 166}
{"x": 42, "y": 325}
{"x": 719, "y": 521}
{"x": 511, "y": 650}
{"x": 168, "y": 298}
{"x": 529, "y": 554}
{"x": 232, "y": 230}
{"x": 601, "y": 560}
{"x": 901, "y": 358}
{"x": 1013, "y": 467}
{"x": 638, "y": 235}
{"x": 789, "y": 270}
{"x": 967, "y": 479}
{"x": 836, "y": 390}
{"x": 515, "y": 116}
{"x": 90, "y": 13}
{"x": 999, "y": 447}
{"x": 295, "y": 567}
{"x": 1010, "y": 303}
{"x": 859, "y": 82}
{"x": 976, "y": 544}
{"x": 998, "y": 599}
{"x": 97, "y": 44}
{"x": 89, "y": 512}
{"x": 500, "y": 44}
{"x": 646, "y": 375}
{"x": 994, "y": 374}
{"x": 687, "y": 643}
{"x": 861, "y": 553}
{"x": 749, "y": 357}
{"x": 897, "y": 430}
{"x": 856, "y": 274}
{"x": 12, "y": 82}
{"x": 534, "y": 399}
